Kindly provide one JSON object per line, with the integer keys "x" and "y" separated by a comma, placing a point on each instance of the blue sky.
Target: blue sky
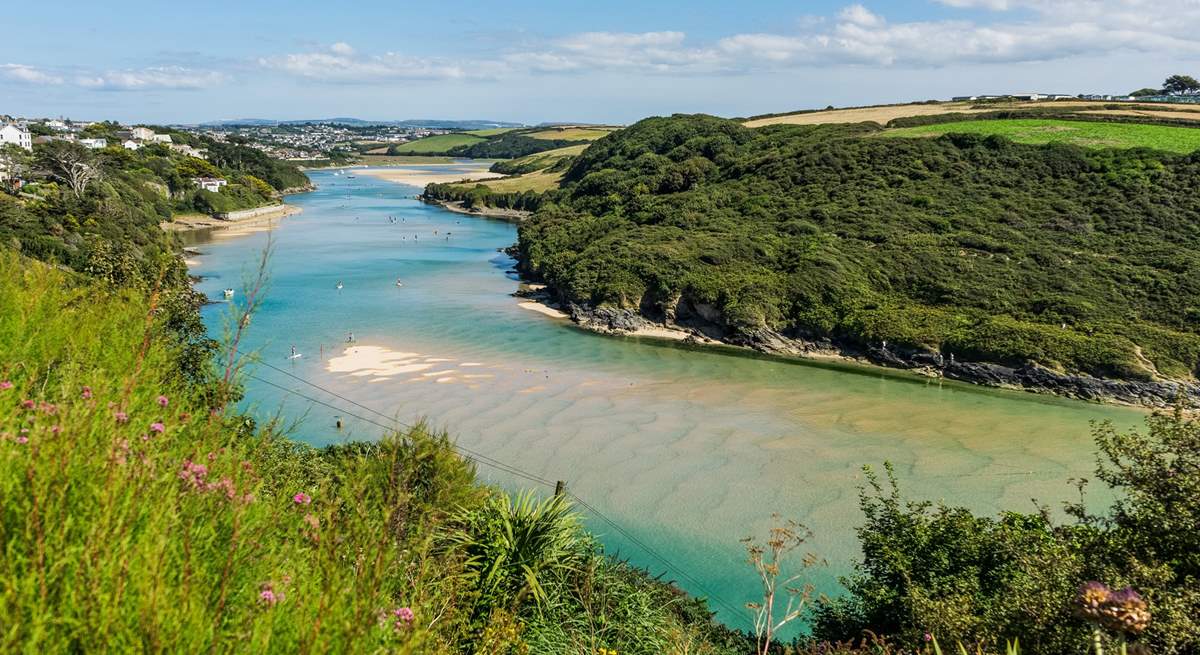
{"x": 568, "y": 60}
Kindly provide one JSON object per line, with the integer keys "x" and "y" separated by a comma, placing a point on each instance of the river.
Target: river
{"x": 687, "y": 449}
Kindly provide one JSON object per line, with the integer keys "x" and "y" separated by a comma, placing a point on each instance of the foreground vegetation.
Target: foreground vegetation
{"x": 1079, "y": 260}
{"x": 140, "y": 514}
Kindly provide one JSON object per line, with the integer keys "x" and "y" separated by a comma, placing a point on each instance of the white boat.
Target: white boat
{"x": 229, "y": 293}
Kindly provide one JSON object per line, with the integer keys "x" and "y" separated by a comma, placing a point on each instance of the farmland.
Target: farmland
{"x": 1088, "y": 134}
{"x": 439, "y": 144}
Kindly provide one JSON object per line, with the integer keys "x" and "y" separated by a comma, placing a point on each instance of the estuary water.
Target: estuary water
{"x": 687, "y": 449}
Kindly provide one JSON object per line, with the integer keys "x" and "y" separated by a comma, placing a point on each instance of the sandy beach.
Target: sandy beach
{"x": 229, "y": 227}
{"x": 422, "y": 175}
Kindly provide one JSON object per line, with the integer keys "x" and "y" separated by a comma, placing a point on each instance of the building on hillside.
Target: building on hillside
{"x": 94, "y": 144}
{"x": 57, "y": 125}
{"x": 184, "y": 149}
{"x": 142, "y": 134}
{"x": 17, "y": 135}
{"x": 161, "y": 138}
{"x": 213, "y": 184}
{"x": 130, "y": 144}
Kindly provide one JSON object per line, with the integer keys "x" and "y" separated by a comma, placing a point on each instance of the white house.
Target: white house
{"x": 94, "y": 144}
{"x": 16, "y": 135}
{"x": 130, "y": 144}
{"x": 213, "y": 184}
{"x": 161, "y": 138}
{"x": 143, "y": 134}
{"x": 57, "y": 125}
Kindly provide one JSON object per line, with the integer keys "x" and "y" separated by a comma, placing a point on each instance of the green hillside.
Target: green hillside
{"x": 1078, "y": 259}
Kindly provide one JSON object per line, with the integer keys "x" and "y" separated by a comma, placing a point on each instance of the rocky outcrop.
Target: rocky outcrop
{"x": 706, "y": 325}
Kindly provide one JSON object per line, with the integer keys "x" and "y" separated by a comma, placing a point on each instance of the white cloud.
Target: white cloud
{"x": 1029, "y": 31}
{"x": 27, "y": 74}
{"x": 154, "y": 78}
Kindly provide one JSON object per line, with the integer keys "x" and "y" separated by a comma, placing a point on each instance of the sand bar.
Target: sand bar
{"x": 420, "y": 176}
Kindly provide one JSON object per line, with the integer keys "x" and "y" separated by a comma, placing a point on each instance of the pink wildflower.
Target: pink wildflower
{"x": 157, "y": 426}
{"x": 55, "y": 429}
{"x": 193, "y": 475}
{"x": 121, "y": 417}
{"x": 27, "y": 404}
{"x": 302, "y": 499}
{"x": 5, "y": 385}
{"x": 22, "y": 439}
{"x": 49, "y": 408}
{"x": 87, "y": 393}
{"x": 404, "y": 617}
{"x": 267, "y": 596}
{"x": 162, "y": 401}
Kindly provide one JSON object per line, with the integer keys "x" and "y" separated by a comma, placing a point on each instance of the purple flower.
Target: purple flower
{"x": 121, "y": 417}
{"x": 87, "y": 393}
{"x": 22, "y": 439}
{"x": 302, "y": 499}
{"x": 267, "y": 597}
{"x": 162, "y": 401}
{"x": 27, "y": 404}
{"x": 5, "y": 385}
{"x": 157, "y": 426}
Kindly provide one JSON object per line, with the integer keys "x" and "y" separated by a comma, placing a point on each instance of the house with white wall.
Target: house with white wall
{"x": 16, "y": 135}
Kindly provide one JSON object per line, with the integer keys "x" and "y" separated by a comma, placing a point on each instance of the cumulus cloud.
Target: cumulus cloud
{"x": 154, "y": 78}
{"x": 1020, "y": 31}
{"x": 27, "y": 74}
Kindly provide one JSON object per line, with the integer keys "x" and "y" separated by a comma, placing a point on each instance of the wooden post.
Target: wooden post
{"x": 559, "y": 488}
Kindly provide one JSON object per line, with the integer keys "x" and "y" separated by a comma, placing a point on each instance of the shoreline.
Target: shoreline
{"x": 198, "y": 223}
{"x": 456, "y": 206}
{"x": 1031, "y": 379}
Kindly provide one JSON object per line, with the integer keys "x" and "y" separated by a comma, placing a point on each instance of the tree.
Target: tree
{"x": 1181, "y": 85}
{"x": 1141, "y": 93}
{"x": 70, "y": 163}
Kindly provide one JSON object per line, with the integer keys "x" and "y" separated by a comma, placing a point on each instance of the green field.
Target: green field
{"x": 439, "y": 143}
{"x": 492, "y": 132}
{"x": 571, "y": 133}
{"x": 1080, "y": 133}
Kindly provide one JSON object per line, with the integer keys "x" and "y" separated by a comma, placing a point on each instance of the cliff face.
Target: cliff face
{"x": 705, "y": 323}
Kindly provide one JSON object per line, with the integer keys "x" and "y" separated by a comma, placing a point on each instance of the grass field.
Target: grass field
{"x": 439, "y": 143}
{"x": 492, "y": 132}
{"x": 539, "y": 182}
{"x": 1088, "y": 134}
{"x": 571, "y": 133}
{"x": 883, "y": 113}
{"x": 548, "y": 158}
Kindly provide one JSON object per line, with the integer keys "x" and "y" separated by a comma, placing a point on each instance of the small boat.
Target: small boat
{"x": 229, "y": 293}
{"x": 296, "y": 356}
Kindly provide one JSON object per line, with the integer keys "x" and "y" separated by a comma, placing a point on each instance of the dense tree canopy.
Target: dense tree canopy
{"x": 1079, "y": 260}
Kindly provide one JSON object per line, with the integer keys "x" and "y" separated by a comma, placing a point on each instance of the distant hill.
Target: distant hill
{"x": 429, "y": 123}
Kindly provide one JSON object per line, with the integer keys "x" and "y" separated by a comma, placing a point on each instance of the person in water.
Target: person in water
{"x": 350, "y": 337}
{"x": 293, "y": 352}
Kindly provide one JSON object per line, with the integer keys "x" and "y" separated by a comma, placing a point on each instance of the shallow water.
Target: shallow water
{"x": 687, "y": 449}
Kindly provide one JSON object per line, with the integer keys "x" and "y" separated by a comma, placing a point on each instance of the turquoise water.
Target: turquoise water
{"x": 687, "y": 449}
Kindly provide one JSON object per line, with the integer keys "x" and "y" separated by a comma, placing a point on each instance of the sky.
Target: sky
{"x": 611, "y": 62}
